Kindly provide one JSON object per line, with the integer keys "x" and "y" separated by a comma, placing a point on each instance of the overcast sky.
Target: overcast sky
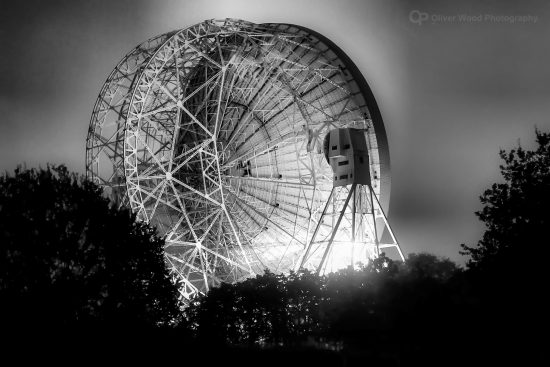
{"x": 452, "y": 89}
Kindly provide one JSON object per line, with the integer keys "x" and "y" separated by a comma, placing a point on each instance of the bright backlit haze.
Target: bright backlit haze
{"x": 451, "y": 93}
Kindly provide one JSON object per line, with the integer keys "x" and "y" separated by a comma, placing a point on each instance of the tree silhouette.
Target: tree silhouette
{"x": 515, "y": 212}
{"x": 70, "y": 259}
{"x": 424, "y": 265}
{"x": 506, "y": 272}
{"x": 374, "y": 313}
{"x": 270, "y": 309}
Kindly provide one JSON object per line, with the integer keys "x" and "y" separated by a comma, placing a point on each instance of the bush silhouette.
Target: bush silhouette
{"x": 70, "y": 259}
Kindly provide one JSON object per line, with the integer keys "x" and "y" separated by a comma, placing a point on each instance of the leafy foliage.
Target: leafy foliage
{"x": 68, "y": 258}
{"x": 505, "y": 276}
{"x": 270, "y": 309}
{"x": 515, "y": 212}
{"x": 348, "y": 306}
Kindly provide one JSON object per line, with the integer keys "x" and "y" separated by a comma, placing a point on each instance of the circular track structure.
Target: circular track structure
{"x": 214, "y": 134}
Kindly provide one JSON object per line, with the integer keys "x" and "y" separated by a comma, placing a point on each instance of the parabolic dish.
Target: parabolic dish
{"x": 214, "y": 134}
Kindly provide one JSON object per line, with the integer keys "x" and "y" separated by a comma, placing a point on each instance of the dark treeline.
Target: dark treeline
{"x": 69, "y": 259}
{"x": 423, "y": 311}
{"x": 385, "y": 312}
{"x": 71, "y": 263}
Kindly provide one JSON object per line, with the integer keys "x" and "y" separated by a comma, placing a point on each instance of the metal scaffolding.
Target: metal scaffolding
{"x": 214, "y": 134}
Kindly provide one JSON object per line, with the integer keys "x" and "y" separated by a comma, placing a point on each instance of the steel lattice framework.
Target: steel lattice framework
{"x": 214, "y": 134}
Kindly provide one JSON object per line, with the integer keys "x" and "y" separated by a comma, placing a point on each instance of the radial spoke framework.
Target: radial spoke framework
{"x": 214, "y": 134}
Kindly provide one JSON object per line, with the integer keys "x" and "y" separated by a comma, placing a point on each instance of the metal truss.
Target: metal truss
{"x": 356, "y": 234}
{"x": 214, "y": 134}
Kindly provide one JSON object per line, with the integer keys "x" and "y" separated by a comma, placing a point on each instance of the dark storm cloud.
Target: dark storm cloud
{"x": 451, "y": 92}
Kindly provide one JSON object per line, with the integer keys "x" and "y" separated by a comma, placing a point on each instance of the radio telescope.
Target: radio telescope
{"x": 215, "y": 134}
